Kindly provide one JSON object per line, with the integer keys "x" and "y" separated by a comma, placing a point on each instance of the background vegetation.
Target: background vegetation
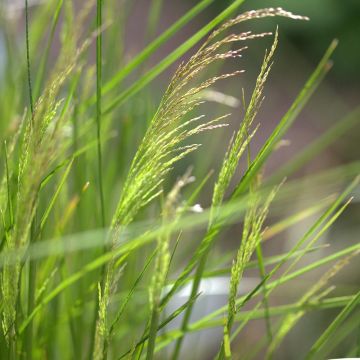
{"x": 179, "y": 180}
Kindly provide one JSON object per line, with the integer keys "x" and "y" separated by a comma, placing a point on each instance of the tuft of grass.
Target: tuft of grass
{"x": 123, "y": 278}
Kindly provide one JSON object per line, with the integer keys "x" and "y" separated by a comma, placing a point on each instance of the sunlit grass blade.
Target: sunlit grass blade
{"x": 130, "y": 293}
{"x": 274, "y": 311}
{"x": 331, "y": 180}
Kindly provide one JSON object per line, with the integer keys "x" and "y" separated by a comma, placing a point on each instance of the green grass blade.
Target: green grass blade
{"x": 326, "y": 335}
{"x": 171, "y": 58}
{"x": 346, "y": 331}
{"x": 130, "y": 293}
{"x": 55, "y": 196}
{"x": 275, "y": 311}
{"x": 28, "y": 67}
{"x": 211, "y": 319}
{"x": 154, "y": 45}
{"x": 98, "y": 107}
{"x": 170, "y": 318}
{"x": 45, "y": 57}
{"x": 9, "y": 200}
{"x": 329, "y": 137}
{"x": 154, "y": 17}
{"x": 291, "y": 220}
{"x": 261, "y": 266}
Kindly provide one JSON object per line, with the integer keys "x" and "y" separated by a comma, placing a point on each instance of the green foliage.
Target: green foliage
{"x": 102, "y": 230}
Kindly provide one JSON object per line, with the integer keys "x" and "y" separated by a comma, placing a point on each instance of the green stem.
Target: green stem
{"x": 195, "y": 286}
{"x": 32, "y": 269}
{"x": 265, "y": 294}
{"x": 28, "y": 61}
{"x": 152, "y": 334}
{"x": 330, "y": 331}
{"x": 31, "y": 302}
{"x": 98, "y": 107}
{"x": 99, "y": 156}
{"x": 42, "y": 66}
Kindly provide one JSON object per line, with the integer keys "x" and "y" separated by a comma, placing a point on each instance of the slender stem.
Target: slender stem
{"x": 99, "y": 155}
{"x": 261, "y": 266}
{"x": 28, "y": 61}
{"x": 357, "y": 351}
{"x": 260, "y": 257}
{"x": 32, "y": 269}
{"x": 28, "y": 335}
{"x": 98, "y": 106}
{"x": 152, "y": 334}
{"x": 10, "y": 206}
{"x": 188, "y": 312}
{"x": 41, "y": 69}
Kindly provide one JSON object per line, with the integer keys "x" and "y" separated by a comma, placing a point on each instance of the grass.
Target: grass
{"x": 107, "y": 218}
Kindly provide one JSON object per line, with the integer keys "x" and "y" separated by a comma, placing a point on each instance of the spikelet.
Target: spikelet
{"x": 239, "y": 143}
{"x": 252, "y": 231}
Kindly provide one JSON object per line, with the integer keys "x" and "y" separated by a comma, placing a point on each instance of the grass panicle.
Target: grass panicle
{"x": 251, "y": 237}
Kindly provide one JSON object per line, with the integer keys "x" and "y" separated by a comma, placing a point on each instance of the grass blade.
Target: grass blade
{"x": 326, "y": 335}
{"x": 98, "y": 106}
{"x": 171, "y": 58}
{"x": 28, "y": 67}
{"x": 330, "y": 136}
{"x": 154, "y": 45}
{"x": 55, "y": 196}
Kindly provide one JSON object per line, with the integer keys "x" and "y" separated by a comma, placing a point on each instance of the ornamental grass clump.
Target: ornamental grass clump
{"x": 162, "y": 146}
{"x": 108, "y": 244}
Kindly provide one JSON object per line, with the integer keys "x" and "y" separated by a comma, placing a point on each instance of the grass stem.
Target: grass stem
{"x": 98, "y": 107}
{"x": 28, "y": 61}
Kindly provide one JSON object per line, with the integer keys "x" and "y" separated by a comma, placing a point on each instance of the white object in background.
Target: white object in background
{"x": 214, "y": 293}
